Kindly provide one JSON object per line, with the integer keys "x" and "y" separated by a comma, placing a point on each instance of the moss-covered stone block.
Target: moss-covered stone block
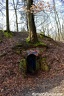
{"x": 44, "y": 65}
{"x": 22, "y": 66}
{"x": 37, "y": 64}
{"x": 41, "y": 64}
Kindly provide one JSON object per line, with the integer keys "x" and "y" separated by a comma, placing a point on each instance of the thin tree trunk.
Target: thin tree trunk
{"x": 7, "y": 16}
{"x": 16, "y": 20}
{"x": 57, "y": 21}
{"x": 16, "y": 15}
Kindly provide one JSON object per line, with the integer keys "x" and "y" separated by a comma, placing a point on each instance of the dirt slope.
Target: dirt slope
{"x": 12, "y": 82}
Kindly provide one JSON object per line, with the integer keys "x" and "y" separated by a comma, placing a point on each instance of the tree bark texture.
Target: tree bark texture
{"x": 7, "y": 16}
{"x": 31, "y": 23}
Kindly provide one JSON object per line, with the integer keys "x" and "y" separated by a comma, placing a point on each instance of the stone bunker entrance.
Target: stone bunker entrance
{"x": 31, "y": 61}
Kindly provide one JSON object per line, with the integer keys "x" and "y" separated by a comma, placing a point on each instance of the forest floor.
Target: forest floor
{"x": 12, "y": 83}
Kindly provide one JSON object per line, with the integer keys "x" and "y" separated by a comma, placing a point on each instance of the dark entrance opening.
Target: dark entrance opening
{"x": 31, "y": 63}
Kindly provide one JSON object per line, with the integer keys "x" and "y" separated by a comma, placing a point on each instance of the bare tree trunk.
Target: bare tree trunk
{"x": 15, "y": 8}
{"x": 7, "y": 16}
{"x": 57, "y": 21}
{"x": 16, "y": 20}
{"x": 31, "y": 23}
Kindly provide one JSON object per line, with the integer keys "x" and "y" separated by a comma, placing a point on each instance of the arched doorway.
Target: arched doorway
{"x": 31, "y": 63}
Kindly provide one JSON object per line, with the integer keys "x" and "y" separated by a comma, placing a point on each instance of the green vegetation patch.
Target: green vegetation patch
{"x": 39, "y": 44}
{"x": 23, "y": 67}
{"x": 8, "y": 34}
{"x": 35, "y": 44}
{"x": 38, "y": 64}
{"x": 44, "y": 65}
{"x": 28, "y": 40}
{"x": 22, "y": 64}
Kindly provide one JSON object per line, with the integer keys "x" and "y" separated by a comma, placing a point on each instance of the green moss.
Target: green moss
{"x": 37, "y": 65}
{"x": 28, "y": 40}
{"x": 39, "y": 44}
{"x": 22, "y": 65}
{"x": 43, "y": 59}
{"x": 44, "y": 65}
{"x": 36, "y": 44}
{"x": 8, "y": 34}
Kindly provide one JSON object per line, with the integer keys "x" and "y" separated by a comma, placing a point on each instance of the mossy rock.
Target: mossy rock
{"x": 43, "y": 60}
{"x": 45, "y": 67}
{"x": 22, "y": 66}
{"x": 38, "y": 44}
{"x": 37, "y": 65}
